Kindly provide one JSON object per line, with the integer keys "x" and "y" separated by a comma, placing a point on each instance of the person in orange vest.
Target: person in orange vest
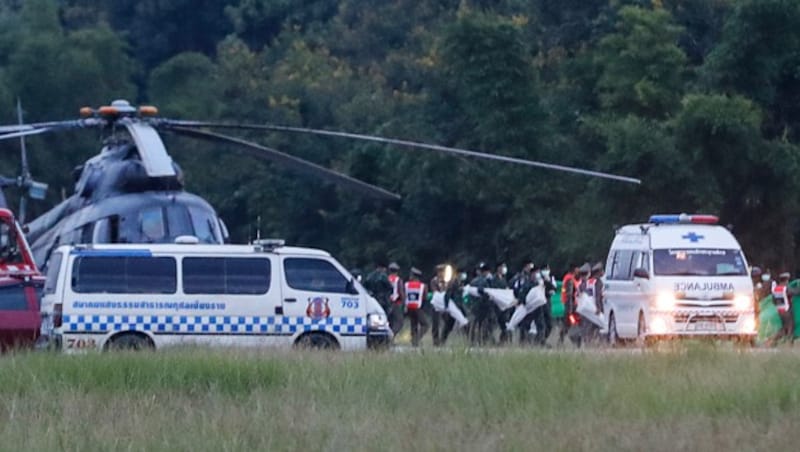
{"x": 396, "y": 316}
{"x": 782, "y": 296}
{"x": 415, "y": 294}
{"x": 569, "y": 293}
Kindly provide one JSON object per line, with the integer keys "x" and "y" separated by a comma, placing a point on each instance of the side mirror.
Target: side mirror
{"x": 351, "y": 287}
{"x": 641, "y": 273}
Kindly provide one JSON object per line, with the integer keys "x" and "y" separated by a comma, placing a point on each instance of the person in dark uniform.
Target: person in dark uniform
{"x": 415, "y": 294}
{"x": 481, "y": 330}
{"x": 547, "y": 314}
{"x": 501, "y": 316}
{"x": 396, "y": 312}
{"x": 378, "y": 285}
{"x": 438, "y": 318}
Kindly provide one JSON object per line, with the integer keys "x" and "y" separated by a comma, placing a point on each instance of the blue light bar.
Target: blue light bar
{"x": 665, "y": 219}
{"x": 684, "y": 219}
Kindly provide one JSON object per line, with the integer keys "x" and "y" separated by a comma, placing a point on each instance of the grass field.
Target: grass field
{"x": 689, "y": 398}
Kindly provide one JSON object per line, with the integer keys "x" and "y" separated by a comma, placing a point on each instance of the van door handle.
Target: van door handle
{"x": 290, "y": 300}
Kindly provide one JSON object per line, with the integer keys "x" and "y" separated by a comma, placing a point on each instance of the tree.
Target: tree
{"x": 643, "y": 69}
{"x": 757, "y": 57}
{"x": 740, "y": 175}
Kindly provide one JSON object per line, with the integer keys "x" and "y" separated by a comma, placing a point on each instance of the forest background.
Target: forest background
{"x": 698, "y": 98}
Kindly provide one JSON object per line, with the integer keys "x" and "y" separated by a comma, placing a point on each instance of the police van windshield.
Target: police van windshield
{"x": 698, "y": 262}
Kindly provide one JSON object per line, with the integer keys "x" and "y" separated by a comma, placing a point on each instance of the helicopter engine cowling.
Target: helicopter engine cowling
{"x": 118, "y": 170}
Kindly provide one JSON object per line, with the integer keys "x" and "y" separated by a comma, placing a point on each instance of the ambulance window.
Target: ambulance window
{"x": 622, "y": 265}
{"x": 226, "y": 275}
{"x": 124, "y": 274}
{"x": 53, "y": 266}
{"x": 12, "y": 298}
{"x": 315, "y": 275}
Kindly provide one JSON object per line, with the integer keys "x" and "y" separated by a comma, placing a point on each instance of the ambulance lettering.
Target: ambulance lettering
{"x": 703, "y": 286}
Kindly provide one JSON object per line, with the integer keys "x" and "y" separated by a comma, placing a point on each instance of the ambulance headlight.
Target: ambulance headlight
{"x": 665, "y": 301}
{"x": 377, "y": 321}
{"x": 743, "y": 302}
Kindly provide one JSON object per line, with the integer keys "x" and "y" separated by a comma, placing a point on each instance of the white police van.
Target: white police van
{"x": 151, "y": 296}
{"x": 678, "y": 276}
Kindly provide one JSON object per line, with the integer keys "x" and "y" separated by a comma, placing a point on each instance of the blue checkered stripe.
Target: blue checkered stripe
{"x": 192, "y": 324}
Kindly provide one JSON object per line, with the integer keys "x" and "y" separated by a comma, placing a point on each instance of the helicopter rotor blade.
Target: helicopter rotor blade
{"x": 24, "y": 130}
{"x": 404, "y": 143}
{"x": 26, "y": 133}
{"x": 289, "y": 161}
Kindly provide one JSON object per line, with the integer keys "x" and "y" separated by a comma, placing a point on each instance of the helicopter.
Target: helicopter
{"x": 133, "y": 191}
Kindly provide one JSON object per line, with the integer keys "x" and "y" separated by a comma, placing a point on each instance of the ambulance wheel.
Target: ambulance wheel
{"x": 613, "y": 337}
{"x": 130, "y": 341}
{"x": 316, "y": 341}
{"x": 641, "y": 329}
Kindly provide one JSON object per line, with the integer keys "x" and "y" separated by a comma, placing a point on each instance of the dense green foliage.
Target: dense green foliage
{"x": 693, "y": 398}
{"x": 700, "y": 99}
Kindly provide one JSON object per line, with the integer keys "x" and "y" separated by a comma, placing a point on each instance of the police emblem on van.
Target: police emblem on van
{"x": 318, "y": 308}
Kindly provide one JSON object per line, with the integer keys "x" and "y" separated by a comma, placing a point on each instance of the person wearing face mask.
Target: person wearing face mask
{"x": 758, "y": 287}
{"x": 500, "y": 281}
{"x": 481, "y": 306}
{"x": 544, "y": 323}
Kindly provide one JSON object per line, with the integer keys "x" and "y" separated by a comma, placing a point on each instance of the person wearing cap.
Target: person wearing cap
{"x": 442, "y": 323}
{"x": 501, "y": 316}
{"x": 378, "y": 285}
{"x": 758, "y": 287}
{"x": 542, "y": 317}
{"x": 583, "y": 329}
{"x": 439, "y": 319}
{"x": 481, "y": 330}
{"x": 396, "y": 309}
{"x": 569, "y": 293}
{"x": 414, "y": 297}
{"x": 526, "y": 283}
{"x": 782, "y": 296}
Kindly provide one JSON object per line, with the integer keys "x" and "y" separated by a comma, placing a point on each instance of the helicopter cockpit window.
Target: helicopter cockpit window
{"x": 152, "y": 224}
{"x": 178, "y": 221}
{"x": 205, "y": 228}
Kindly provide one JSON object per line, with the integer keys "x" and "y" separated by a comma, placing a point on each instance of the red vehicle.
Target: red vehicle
{"x": 21, "y": 285}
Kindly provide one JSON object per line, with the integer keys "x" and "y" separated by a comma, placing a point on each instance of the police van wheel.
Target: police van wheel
{"x": 317, "y": 341}
{"x": 130, "y": 341}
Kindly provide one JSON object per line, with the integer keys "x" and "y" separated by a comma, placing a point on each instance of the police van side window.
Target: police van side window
{"x": 314, "y": 275}
{"x": 226, "y": 275}
{"x": 53, "y": 267}
{"x": 124, "y": 274}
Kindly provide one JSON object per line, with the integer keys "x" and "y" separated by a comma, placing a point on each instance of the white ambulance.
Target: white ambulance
{"x": 678, "y": 276}
{"x": 152, "y": 296}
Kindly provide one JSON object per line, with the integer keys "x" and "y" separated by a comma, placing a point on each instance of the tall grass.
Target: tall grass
{"x": 691, "y": 398}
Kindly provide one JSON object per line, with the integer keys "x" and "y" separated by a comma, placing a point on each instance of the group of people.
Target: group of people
{"x": 782, "y": 293}
{"x": 453, "y": 301}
